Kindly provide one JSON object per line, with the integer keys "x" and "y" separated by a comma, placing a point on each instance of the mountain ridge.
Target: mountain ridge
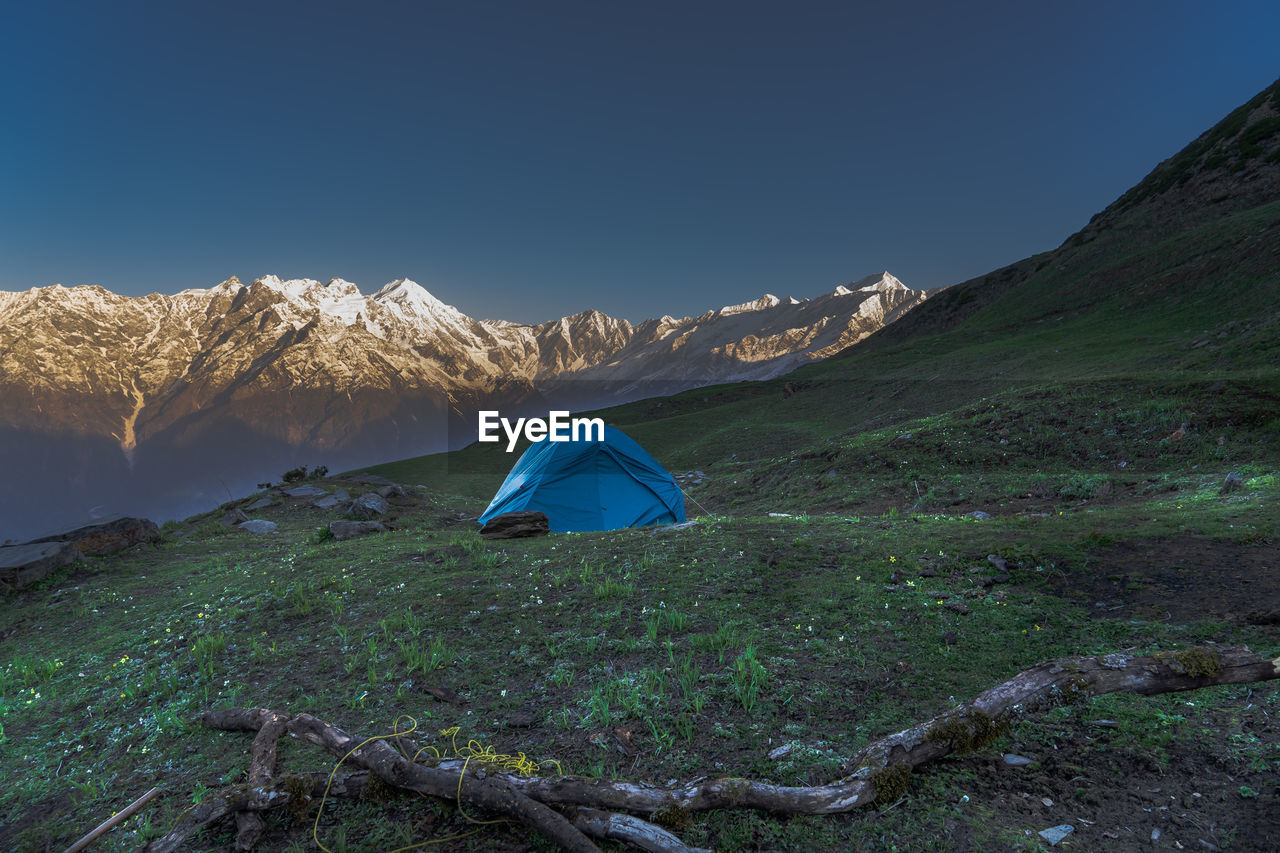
{"x": 299, "y": 370}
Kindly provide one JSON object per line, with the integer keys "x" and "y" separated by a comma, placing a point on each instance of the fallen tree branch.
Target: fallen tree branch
{"x": 882, "y": 771}
{"x": 261, "y": 768}
{"x": 117, "y": 818}
{"x": 633, "y": 830}
{"x": 255, "y": 798}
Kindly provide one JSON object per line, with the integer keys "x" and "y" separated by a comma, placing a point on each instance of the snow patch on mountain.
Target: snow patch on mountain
{"x": 92, "y": 361}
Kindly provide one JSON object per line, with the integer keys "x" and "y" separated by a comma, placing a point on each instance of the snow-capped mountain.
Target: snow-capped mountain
{"x": 235, "y": 381}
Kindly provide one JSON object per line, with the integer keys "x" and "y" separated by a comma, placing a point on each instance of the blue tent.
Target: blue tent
{"x": 590, "y": 485}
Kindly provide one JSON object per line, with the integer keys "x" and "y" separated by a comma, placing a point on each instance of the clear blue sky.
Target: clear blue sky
{"x": 525, "y": 160}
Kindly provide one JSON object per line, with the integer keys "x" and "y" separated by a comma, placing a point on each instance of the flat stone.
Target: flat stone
{"x": 367, "y": 505}
{"x": 328, "y": 501}
{"x": 978, "y": 514}
{"x": 781, "y": 751}
{"x": 392, "y": 491}
{"x": 109, "y": 537}
{"x": 261, "y": 503}
{"x": 257, "y": 525}
{"x": 1054, "y": 834}
{"x": 1016, "y": 760}
{"x": 307, "y": 491}
{"x": 343, "y": 530}
{"x": 24, "y": 564}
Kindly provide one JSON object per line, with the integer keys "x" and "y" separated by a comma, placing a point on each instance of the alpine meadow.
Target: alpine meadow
{"x": 1003, "y": 575}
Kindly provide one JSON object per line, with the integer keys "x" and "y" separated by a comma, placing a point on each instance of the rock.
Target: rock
{"x": 328, "y": 501}
{"x": 261, "y": 503}
{"x": 343, "y": 530}
{"x": 978, "y": 514}
{"x": 24, "y": 564}
{"x": 999, "y": 562}
{"x": 958, "y": 607}
{"x": 234, "y": 517}
{"x": 1016, "y": 760}
{"x": 108, "y": 538}
{"x": 906, "y": 436}
{"x": 257, "y": 525}
{"x": 1155, "y": 835}
{"x": 781, "y": 751}
{"x": 1054, "y": 834}
{"x": 367, "y": 505}
{"x": 513, "y": 525}
{"x": 307, "y": 491}
{"x": 342, "y": 495}
{"x": 1233, "y": 482}
{"x": 392, "y": 491}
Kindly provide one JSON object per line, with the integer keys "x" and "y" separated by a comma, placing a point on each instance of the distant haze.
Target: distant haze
{"x": 530, "y": 160}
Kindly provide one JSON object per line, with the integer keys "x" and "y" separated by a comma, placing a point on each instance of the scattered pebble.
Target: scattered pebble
{"x": 781, "y": 751}
{"x": 1016, "y": 760}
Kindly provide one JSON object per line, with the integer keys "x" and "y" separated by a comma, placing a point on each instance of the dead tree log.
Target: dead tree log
{"x": 255, "y": 798}
{"x": 261, "y": 768}
{"x": 882, "y": 771}
{"x": 633, "y": 830}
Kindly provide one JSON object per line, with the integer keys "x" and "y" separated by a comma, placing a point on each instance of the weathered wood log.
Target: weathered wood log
{"x": 261, "y": 769}
{"x": 493, "y": 792}
{"x": 514, "y": 525}
{"x": 633, "y": 830}
{"x": 256, "y": 798}
{"x": 882, "y": 773}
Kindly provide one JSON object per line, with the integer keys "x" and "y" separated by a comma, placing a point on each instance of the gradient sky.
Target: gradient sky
{"x": 526, "y": 160}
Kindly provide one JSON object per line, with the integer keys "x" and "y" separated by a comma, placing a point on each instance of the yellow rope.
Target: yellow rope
{"x": 519, "y": 764}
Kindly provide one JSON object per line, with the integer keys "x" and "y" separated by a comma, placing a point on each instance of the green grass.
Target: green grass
{"x": 716, "y": 641}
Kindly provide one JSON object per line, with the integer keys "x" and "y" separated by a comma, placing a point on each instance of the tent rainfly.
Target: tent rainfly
{"x": 590, "y": 485}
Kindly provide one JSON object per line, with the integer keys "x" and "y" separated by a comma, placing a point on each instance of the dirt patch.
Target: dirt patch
{"x": 1194, "y": 796}
{"x": 32, "y": 816}
{"x": 1181, "y": 579}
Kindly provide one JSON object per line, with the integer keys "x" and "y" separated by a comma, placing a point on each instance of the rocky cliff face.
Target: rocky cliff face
{"x": 238, "y": 378}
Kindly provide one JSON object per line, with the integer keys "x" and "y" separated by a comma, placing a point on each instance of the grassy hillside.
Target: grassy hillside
{"x": 838, "y": 586}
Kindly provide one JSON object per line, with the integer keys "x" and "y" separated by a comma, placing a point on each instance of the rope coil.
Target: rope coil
{"x": 519, "y": 764}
